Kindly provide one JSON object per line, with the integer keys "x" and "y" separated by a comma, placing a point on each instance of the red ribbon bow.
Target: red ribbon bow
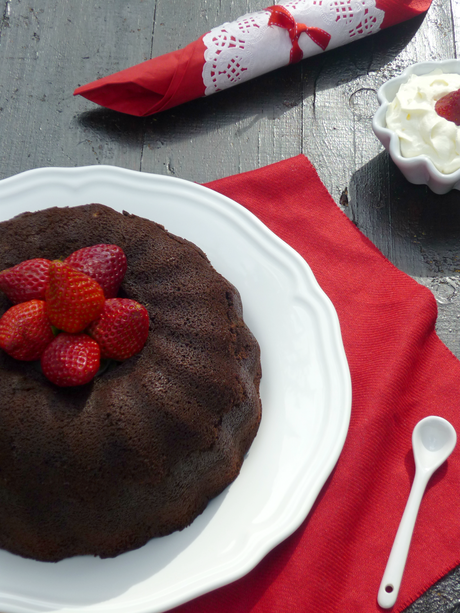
{"x": 282, "y": 18}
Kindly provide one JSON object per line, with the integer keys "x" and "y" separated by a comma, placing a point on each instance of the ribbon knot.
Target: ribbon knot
{"x": 281, "y": 17}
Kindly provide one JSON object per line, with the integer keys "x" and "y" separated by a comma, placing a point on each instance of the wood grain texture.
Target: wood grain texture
{"x": 322, "y": 107}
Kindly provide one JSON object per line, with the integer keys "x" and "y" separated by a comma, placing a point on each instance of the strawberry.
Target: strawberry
{"x": 71, "y": 359}
{"x": 25, "y": 281}
{"x": 73, "y": 299}
{"x": 106, "y": 264}
{"x": 122, "y": 328}
{"x": 449, "y": 107}
{"x": 25, "y": 330}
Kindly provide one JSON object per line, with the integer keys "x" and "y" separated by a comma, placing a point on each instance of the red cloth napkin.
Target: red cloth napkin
{"x": 401, "y": 372}
{"x": 179, "y": 76}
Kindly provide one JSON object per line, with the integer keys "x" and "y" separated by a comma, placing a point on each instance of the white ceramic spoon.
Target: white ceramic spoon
{"x": 433, "y": 440}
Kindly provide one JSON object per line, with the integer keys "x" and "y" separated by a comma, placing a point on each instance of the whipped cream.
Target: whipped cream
{"x": 420, "y": 129}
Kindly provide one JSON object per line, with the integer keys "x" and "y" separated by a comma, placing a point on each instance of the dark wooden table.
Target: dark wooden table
{"x": 322, "y": 107}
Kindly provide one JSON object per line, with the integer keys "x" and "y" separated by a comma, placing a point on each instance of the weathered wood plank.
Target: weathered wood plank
{"x": 45, "y": 52}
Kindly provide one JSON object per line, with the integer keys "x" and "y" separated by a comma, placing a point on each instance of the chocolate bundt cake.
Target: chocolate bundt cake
{"x": 137, "y": 453}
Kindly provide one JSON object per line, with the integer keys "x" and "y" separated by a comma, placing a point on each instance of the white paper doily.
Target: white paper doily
{"x": 248, "y": 47}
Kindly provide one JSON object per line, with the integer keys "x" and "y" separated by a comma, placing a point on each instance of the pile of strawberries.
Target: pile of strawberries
{"x": 66, "y": 314}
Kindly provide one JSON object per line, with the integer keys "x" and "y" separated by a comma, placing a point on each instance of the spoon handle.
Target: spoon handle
{"x": 391, "y": 581}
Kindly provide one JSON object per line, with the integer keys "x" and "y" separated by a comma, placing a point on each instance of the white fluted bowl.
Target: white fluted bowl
{"x": 419, "y": 170}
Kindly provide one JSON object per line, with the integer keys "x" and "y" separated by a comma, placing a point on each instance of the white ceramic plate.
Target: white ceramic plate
{"x": 306, "y": 398}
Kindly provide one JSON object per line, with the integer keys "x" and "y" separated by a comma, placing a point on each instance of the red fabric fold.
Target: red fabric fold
{"x": 176, "y": 77}
{"x": 152, "y": 86}
{"x": 401, "y": 372}
{"x": 397, "y": 11}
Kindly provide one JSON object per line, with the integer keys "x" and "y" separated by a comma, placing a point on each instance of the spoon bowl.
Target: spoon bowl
{"x": 433, "y": 440}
